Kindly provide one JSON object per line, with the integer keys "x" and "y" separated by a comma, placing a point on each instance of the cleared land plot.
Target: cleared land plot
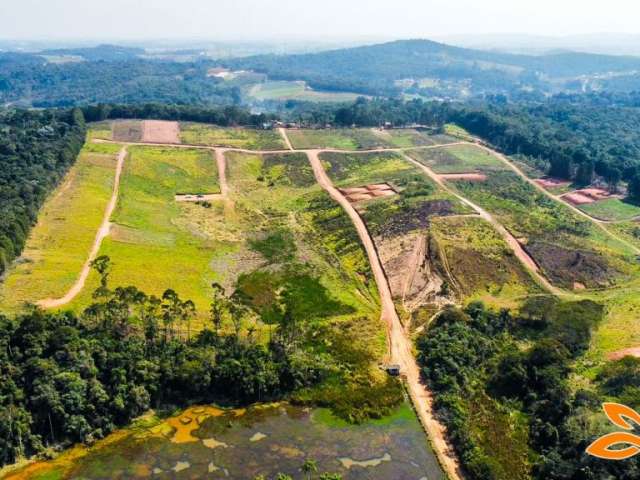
{"x": 612, "y": 209}
{"x": 160, "y": 131}
{"x": 569, "y": 249}
{"x": 59, "y": 244}
{"x": 297, "y": 90}
{"x": 157, "y": 243}
{"x": 127, "y": 131}
{"x": 458, "y": 159}
{"x": 480, "y": 263}
{"x": 342, "y": 139}
{"x": 210, "y": 135}
{"x": 405, "y": 138}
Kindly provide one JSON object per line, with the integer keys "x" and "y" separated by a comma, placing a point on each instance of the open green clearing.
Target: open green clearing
{"x": 59, "y": 244}
{"x": 251, "y": 139}
{"x": 458, "y": 159}
{"x": 155, "y": 240}
{"x": 296, "y": 90}
{"x": 342, "y": 139}
{"x": 612, "y": 209}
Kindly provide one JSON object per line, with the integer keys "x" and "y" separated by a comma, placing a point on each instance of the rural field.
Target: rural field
{"x": 297, "y": 90}
{"x": 67, "y": 225}
{"x": 450, "y": 223}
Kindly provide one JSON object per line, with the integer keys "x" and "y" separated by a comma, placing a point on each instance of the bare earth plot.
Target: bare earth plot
{"x": 160, "y": 131}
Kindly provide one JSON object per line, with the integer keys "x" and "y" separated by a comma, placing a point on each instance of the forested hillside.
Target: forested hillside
{"x": 374, "y": 69}
{"x": 31, "y": 81}
{"x": 36, "y": 149}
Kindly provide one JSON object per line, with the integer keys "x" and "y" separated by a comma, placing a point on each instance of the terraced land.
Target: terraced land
{"x": 59, "y": 244}
{"x": 251, "y": 139}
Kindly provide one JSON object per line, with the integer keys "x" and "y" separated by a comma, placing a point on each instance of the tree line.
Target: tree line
{"x": 36, "y": 150}
{"x": 522, "y": 365}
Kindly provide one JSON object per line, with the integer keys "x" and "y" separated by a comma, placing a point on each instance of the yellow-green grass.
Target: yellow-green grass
{"x": 59, "y": 244}
{"x": 613, "y": 209}
{"x": 251, "y": 139}
{"x": 341, "y": 139}
{"x": 297, "y": 90}
{"x": 620, "y": 328}
{"x": 458, "y": 159}
{"x": 458, "y": 132}
{"x": 156, "y": 243}
{"x": 100, "y": 130}
{"x": 405, "y": 138}
{"x": 268, "y": 195}
{"x": 627, "y": 230}
{"x": 481, "y": 263}
{"x": 357, "y": 169}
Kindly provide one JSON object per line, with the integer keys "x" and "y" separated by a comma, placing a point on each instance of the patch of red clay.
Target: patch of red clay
{"x": 628, "y": 352}
{"x": 160, "y": 131}
{"x": 588, "y": 195}
{"x": 361, "y": 194}
{"x": 550, "y": 182}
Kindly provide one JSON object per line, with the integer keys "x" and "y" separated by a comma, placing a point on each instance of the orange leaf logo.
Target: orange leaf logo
{"x": 621, "y": 416}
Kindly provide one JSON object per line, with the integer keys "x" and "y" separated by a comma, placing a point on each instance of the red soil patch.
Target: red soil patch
{"x": 576, "y": 198}
{"x": 360, "y": 194}
{"x": 160, "y": 131}
{"x": 550, "y": 182}
{"x": 628, "y": 352}
{"x": 469, "y": 177}
{"x": 588, "y": 195}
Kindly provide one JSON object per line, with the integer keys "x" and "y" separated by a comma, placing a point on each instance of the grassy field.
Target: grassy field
{"x": 296, "y": 90}
{"x": 570, "y": 250}
{"x": 251, "y": 139}
{"x": 59, "y": 244}
{"x": 342, "y": 139}
{"x": 155, "y": 240}
{"x": 405, "y": 138}
{"x": 612, "y": 209}
{"x": 458, "y": 159}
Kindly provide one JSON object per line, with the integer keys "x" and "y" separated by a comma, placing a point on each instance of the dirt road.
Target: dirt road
{"x": 518, "y": 251}
{"x": 400, "y": 346}
{"x": 103, "y": 231}
{"x": 600, "y": 223}
{"x": 285, "y": 137}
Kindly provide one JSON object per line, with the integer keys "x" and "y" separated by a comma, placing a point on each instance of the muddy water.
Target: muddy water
{"x": 205, "y": 442}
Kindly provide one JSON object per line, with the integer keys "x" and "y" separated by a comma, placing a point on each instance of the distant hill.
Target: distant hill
{"x": 377, "y": 69}
{"x": 109, "y": 53}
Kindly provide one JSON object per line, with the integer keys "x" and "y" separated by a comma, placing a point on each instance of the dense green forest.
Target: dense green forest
{"x": 36, "y": 150}
{"x": 30, "y": 80}
{"x": 224, "y": 116}
{"x": 487, "y": 366}
{"x": 374, "y": 69}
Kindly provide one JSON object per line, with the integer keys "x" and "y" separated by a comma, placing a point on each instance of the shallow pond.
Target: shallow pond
{"x": 206, "y": 442}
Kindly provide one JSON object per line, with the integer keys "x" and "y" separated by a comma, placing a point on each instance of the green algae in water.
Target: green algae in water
{"x": 390, "y": 448}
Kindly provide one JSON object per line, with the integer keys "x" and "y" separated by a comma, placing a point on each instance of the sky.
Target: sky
{"x": 315, "y": 19}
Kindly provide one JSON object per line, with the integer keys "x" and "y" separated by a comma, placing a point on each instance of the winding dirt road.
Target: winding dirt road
{"x": 600, "y": 223}
{"x": 513, "y": 243}
{"x": 103, "y": 231}
{"x": 400, "y": 346}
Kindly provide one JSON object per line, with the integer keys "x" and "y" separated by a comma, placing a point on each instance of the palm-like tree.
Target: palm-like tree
{"x": 309, "y": 466}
